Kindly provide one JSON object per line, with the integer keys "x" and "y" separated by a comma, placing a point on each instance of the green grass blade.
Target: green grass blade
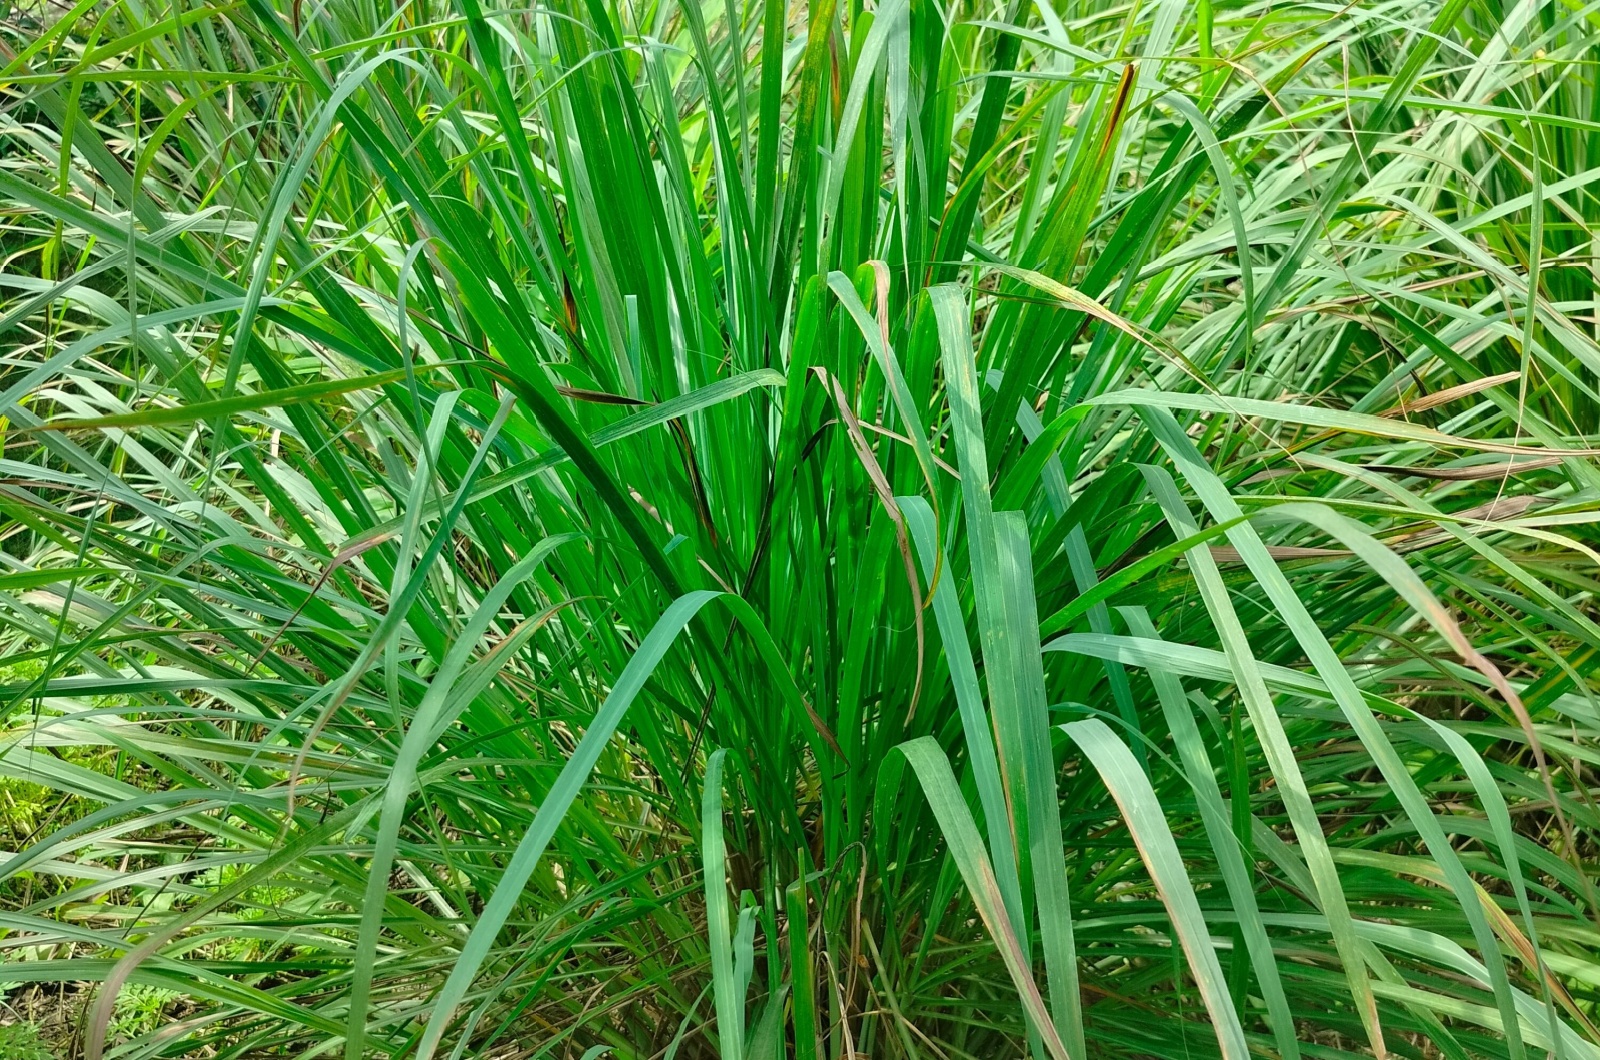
{"x": 1137, "y": 801}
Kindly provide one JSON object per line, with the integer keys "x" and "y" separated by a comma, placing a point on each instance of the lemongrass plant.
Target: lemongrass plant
{"x": 819, "y": 530}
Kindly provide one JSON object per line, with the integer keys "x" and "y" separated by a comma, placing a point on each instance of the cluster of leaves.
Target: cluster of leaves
{"x": 21, "y": 1041}
{"x": 704, "y": 529}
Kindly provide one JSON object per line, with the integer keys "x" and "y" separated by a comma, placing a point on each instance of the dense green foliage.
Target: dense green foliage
{"x": 829, "y": 530}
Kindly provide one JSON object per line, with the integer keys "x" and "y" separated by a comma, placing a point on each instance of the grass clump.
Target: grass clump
{"x": 818, "y": 530}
